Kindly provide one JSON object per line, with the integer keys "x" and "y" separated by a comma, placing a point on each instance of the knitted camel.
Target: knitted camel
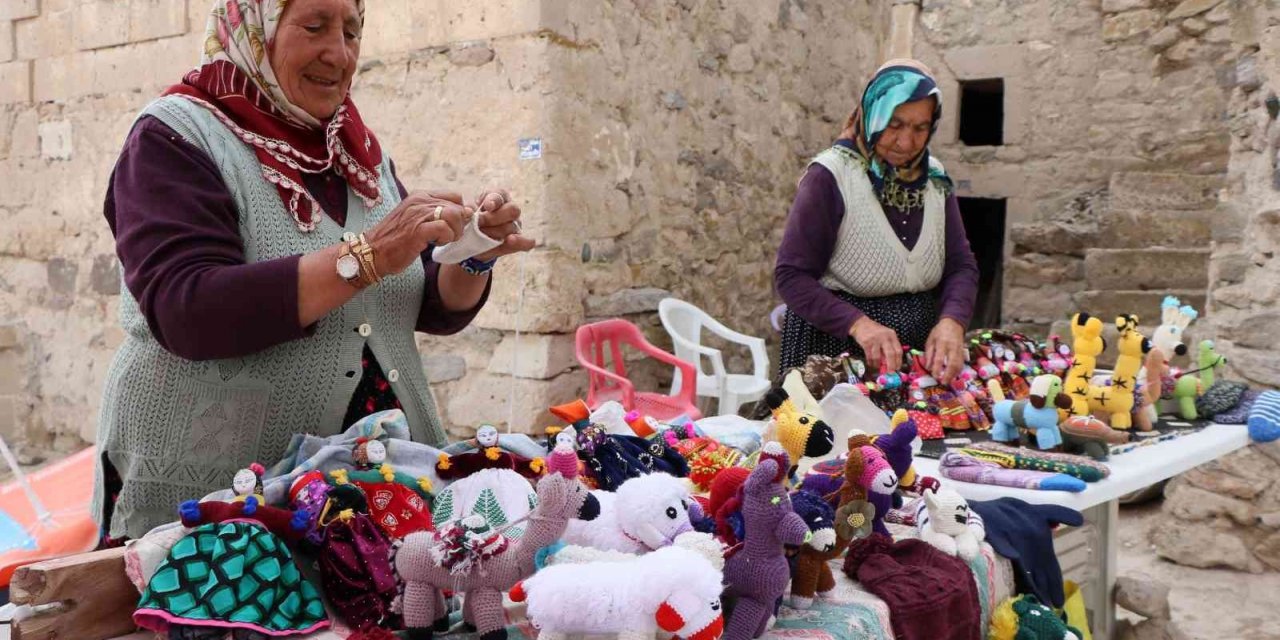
{"x": 757, "y": 574}
{"x": 559, "y": 499}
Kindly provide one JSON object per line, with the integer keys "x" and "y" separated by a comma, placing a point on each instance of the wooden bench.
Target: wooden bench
{"x": 80, "y": 597}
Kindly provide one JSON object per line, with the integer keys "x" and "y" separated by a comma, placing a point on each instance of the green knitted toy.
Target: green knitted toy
{"x": 1024, "y": 618}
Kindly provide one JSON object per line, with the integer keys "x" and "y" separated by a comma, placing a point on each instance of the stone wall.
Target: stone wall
{"x": 672, "y": 136}
{"x": 1228, "y": 513}
{"x": 1114, "y": 145}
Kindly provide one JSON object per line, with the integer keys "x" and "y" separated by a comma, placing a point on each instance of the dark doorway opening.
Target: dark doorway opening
{"x": 984, "y": 220}
{"x": 982, "y": 112}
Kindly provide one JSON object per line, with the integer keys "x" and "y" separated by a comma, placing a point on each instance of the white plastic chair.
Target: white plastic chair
{"x": 685, "y": 323}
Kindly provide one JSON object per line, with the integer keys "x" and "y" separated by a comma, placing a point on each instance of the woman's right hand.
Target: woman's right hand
{"x": 399, "y": 239}
{"x": 879, "y": 343}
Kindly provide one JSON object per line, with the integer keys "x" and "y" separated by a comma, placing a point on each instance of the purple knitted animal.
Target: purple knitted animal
{"x": 758, "y": 573}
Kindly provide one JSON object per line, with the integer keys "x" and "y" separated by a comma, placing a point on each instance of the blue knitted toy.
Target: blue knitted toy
{"x": 1264, "y": 418}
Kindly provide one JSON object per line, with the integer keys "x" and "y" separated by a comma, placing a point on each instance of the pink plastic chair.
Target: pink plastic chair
{"x": 594, "y": 340}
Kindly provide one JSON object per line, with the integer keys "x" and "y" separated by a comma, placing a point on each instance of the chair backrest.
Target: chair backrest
{"x": 593, "y": 342}
{"x": 685, "y": 320}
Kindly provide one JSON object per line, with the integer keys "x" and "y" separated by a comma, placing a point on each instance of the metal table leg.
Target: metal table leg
{"x": 1100, "y": 596}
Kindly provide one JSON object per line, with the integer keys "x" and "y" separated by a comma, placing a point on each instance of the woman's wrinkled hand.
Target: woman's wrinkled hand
{"x": 500, "y": 220}
{"x": 422, "y": 219}
{"x": 944, "y": 351}
{"x": 879, "y": 343}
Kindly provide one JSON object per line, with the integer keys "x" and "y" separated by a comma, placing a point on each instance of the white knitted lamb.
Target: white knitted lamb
{"x": 646, "y": 513}
{"x": 945, "y": 521}
{"x": 675, "y": 589}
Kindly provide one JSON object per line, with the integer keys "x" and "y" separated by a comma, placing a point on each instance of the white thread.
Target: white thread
{"x": 515, "y": 352}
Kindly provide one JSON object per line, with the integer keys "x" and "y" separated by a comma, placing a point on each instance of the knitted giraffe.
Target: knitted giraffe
{"x": 1086, "y": 332}
{"x": 559, "y": 499}
{"x": 1117, "y": 400}
{"x": 758, "y": 572}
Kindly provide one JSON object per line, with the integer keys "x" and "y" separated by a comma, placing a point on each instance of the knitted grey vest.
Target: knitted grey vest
{"x": 869, "y": 260}
{"x": 177, "y": 429}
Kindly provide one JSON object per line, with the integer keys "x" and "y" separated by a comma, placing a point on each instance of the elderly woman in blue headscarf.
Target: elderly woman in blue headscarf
{"x": 875, "y": 258}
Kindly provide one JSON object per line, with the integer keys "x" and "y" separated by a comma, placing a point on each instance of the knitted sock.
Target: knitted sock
{"x": 1264, "y": 417}
{"x": 1081, "y": 467}
{"x": 472, "y": 243}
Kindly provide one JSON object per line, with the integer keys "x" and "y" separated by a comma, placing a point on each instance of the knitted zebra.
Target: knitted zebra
{"x": 945, "y": 521}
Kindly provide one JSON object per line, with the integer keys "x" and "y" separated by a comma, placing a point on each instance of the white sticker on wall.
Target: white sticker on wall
{"x": 530, "y": 148}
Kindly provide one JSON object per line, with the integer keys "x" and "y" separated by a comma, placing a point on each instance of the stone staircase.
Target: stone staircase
{"x": 1152, "y": 241}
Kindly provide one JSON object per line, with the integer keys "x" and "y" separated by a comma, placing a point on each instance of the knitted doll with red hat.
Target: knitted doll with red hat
{"x": 395, "y": 503}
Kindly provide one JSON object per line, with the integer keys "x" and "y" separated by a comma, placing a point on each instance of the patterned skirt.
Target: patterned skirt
{"x": 233, "y": 576}
{"x": 912, "y": 315}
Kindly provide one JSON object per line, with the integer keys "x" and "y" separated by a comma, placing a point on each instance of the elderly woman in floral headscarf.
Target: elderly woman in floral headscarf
{"x": 275, "y": 269}
{"x": 875, "y": 256}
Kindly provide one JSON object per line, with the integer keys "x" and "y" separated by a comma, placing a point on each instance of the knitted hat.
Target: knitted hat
{"x": 776, "y": 452}
{"x": 929, "y": 594}
{"x": 1240, "y": 413}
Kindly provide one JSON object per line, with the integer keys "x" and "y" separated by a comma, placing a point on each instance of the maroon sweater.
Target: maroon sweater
{"x": 810, "y": 238}
{"x": 178, "y": 238}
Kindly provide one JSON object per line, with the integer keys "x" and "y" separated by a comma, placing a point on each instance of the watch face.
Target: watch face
{"x": 348, "y": 267}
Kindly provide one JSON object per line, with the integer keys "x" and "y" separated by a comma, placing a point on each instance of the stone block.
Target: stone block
{"x": 538, "y": 356}
{"x": 1122, "y": 26}
{"x": 1144, "y": 304}
{"x": 8, "y": 336}
{"x": 1155, "y": 227}
{"x": 19, "y": 9}
{"x": 62, "y": 77}
{"x": 1051, "y": 238}
{"x": 11, "y": 428}
{"x": 1268, "y": 551}
{"x": 153, "y": 19}
{"x": 1253, "y": 329}
{"x": 1147, "y": 269}
{"x": 1194, "y": 26}
{"x": 49, "y": 35}
{"x": 625, "y": 302}
{"x": 13, "y": 375}
{"x": 1145, "y": 597}
{"x": 1226, "y": 484}
{"x": 1188, "y": 8}
{"x": 1118, "y": 6}
{"x": 1140, "y": 190}
{"x": 1229, "y": 268}
{"x": 15, "y": 82}
{"x": 104, "y": 276}
{"x": 552, "y": 294}
{"x": 485, "y": 400}
{"x": 55, "y": 140}
{"x": 472, "y": 54}
{"x": 1039, "y": 305}
{"x": 1189, "y": 503}
{"x": 741, "y": 60}
{"x": 991, "y": 61}
{"x": 1164, "y": 38}
{"x": 100, "y": 23}
{"x": 444, "y": 368}
{"x": 1204, "y": 547}
{"x": 61, "y": 275}
{"x": 1036, "y": 269}
{"x": 7, "y": 47}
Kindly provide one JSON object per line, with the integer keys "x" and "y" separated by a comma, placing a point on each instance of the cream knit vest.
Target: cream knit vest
{"x": 178, "y": 429}
{"x": 869, "y": 260}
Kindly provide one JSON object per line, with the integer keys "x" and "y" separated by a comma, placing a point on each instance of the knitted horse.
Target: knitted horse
{"x": 559, "y": 499}
{"x": 758, "y": 572}
{"x": 1188, "y": 387}
{"x": 1038, "y": 413}
{"x": 812, "y": 575}
{"x": 801, "y": 434}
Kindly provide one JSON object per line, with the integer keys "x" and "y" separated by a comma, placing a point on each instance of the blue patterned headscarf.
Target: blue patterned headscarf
{"x": 896, "y": 83}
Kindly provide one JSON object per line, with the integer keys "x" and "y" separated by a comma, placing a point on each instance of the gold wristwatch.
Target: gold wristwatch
{"x": 349, "y": 266}
{"x": 364, "y": 253}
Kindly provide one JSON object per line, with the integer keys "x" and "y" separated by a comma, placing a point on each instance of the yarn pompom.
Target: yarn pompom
{"x": 257, "y": 469}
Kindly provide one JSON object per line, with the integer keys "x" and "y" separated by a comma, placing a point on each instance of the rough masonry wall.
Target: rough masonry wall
{"x": 1115, "y": 141}
{"x": 673, "y": 134}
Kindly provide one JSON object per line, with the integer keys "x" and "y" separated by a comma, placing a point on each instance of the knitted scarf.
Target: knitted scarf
{"x": 235, "y": 81}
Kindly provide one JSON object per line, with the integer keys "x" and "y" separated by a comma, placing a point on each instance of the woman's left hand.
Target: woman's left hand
{"x": 499, "y": 218}
{"x": 944, "y": 351}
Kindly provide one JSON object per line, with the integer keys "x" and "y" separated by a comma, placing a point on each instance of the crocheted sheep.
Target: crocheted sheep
{"x": 673, "y": 589}
{"x": 645, "y": 514}
{"x": 945, "y": 521}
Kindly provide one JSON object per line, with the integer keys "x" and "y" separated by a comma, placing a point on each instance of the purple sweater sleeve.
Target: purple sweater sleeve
{"x": 958, "y": 291}
{"x": 813, "y": 225}
{"x": 178, "y": 239}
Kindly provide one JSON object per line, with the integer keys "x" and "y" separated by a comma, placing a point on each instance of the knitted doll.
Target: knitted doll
{"x": 248, "y": 482}
{"x": 1024, "y": 618}
{"x": 419, "y": 562}
{"x": 757, "y": 574}
{"x": 488, "y": 455}
{"x": 943, "y": 520}
{"x": 233, "y": 574}
{"x": 309, "y": 492}
{"x": 801, "y": 434}
{"x": 811, "y": 574}
{"x": 395, "y": 503}
{"x": 645, "y": 514}
{"x": 869, "y": 477}
{"x": 674, "y": 589}
{"x": 563, "y": 458}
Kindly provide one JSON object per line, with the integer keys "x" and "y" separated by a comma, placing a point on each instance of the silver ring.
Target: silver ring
{"x": 519, "y": 228}
{"x": 437, "y": 214}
